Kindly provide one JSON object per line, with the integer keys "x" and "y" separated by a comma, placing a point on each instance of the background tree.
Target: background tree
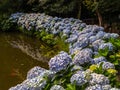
{"x": 102, "y": 8}
{"x": 94, "y": 6}
{"x": 65, "y": 8}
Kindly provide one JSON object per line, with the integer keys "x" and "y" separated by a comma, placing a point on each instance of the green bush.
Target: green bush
{"x": 6, "y": 24}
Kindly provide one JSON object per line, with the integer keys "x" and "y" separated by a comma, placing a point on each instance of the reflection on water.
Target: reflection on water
{"x": 31, "y": 49}
{"x": 18, "y": 54}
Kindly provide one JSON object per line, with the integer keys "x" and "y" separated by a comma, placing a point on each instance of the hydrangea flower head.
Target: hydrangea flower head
{"x": 78, "y": 78}
{"x": 94, "y": 87}
{"x": 99, "y": 59}
{"x": 83, "y": 56}
{"x": 106, "y": 45}
{"x": 98, "y": 79}
{"x": 107, "y": 65}
{"x": 59, "y": 62}
{"x": 34, "y": 72}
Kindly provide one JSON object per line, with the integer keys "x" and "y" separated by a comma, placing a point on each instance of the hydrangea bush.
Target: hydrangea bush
{"x": 91, "y": 63}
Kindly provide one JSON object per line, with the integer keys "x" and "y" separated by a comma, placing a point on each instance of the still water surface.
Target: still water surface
{"x": 18, "y": 54}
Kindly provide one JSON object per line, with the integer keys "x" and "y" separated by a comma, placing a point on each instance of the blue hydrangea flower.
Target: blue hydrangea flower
{"x": 34, "y": 72}
{"x": 15, "y": 17}
{"x": 114, "y": 35}
{"x": 21, "y": 87}
{"x": 110, "y": 35}
{"x": 60, "y": 62}
{"x": 81, "y": 42}
{"x": 93, "y": 38}
{"x": 106, "y": 45}
{"x": 76, "y": 67}
{"x": 96, "y": 28}
{"x": 98, "y": 79}
{"x": 106, "y": 87}
{"x": 72, "y": 38}
{"x": 78, "y": 79}
{"x": 100, "y": 34}
{"x": 99, "y": 59}
{"x": 107, "y": 65}
{"x": 66, "y": 31}
{"x": 94, "y": 87}
{"x": 96, "y": 44}
{"x": 35, "y": 83}
{"x": 57, "y": 87}
{"x": 83, "y": 56}
{"x": 107, "y": 36}
{"x": 83, "y": 25}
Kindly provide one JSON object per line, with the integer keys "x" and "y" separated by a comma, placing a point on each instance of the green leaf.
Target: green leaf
{"x": 71, "y": 87}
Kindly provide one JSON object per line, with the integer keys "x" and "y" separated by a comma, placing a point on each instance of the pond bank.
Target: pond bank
{"x": 17, "y": 56}
{"x": 90, "y": 64}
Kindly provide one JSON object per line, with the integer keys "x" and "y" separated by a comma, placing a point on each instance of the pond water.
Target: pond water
{"x": 18, "y": 54}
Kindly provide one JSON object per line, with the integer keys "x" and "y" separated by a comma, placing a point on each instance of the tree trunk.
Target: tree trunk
{"x": 99, "y": 17}
{"x": 79, "y": 8}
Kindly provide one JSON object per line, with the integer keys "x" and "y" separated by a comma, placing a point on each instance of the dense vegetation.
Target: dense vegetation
{"x": 103, "y": 9}
{"x": 105, "y": 64}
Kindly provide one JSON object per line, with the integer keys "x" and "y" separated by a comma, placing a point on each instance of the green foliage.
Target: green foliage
{"x": 92, "y": 4}
{"x": 104, "y": 6}
{"x": 103, "y": 52}
{"x": 113, "y": 57}
{"x": 60, "y": 78}
{"x": 115, "y": 42}
{"x": 71, "y": 87}
{"x": 110, "y": 73}
{"x": 55, "y": 7}
{"x": 44, "y": 36}
{"x": 9, "y": 6}
{"x": 6, "y": 24}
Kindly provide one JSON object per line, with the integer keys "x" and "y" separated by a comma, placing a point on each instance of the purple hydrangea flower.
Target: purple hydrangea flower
{"x": 60, "y": 62}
